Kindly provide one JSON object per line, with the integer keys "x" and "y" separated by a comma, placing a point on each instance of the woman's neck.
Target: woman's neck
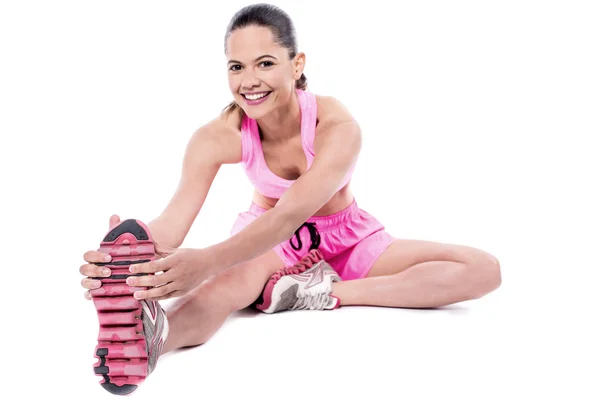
{"x": 282, "y": 123}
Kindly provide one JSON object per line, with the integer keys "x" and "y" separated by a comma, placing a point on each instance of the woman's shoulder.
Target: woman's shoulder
{"x": 222, "y": 136}
{"x": 330, "y": 109}
{"x": 229, "y": 122}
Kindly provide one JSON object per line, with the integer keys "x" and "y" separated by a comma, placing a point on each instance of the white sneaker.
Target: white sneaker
{"x": 304, "y": 286}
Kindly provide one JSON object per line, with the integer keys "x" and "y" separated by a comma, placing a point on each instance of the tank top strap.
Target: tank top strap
{"x": 308, "y": 105}
{"x": 248, "y": 140}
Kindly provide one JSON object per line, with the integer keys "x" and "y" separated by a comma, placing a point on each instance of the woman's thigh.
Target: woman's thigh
{"x": 404, "y": 253}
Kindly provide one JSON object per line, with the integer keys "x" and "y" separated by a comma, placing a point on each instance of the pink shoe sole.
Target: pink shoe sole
{"x": 306, "y": 262}
{"x": 121, "y": 348}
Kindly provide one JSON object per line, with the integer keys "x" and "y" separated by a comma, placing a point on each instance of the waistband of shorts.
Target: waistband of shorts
{"x": 322, "y": 221}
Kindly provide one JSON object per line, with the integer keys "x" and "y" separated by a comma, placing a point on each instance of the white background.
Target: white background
{"x": 480, "y": 124}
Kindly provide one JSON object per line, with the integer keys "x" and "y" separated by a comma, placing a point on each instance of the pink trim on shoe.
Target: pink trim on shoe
{"x": 337, "y": 303}
{"x": 306, "y": 262}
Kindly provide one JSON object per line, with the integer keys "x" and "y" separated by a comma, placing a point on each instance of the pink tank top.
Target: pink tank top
{"x": 264, "y": 180}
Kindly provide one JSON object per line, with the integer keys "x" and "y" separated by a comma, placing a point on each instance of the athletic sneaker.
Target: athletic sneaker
{"x": 132, "y": 332}
{"x": 304, "y": 286}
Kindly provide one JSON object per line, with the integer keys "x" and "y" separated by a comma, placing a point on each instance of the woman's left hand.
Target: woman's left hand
{"x": 176, "y": 274}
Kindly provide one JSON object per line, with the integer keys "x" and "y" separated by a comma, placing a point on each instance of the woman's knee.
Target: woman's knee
{"x": 214, "y": 293}
{"x": 484, "y": 272}
{"x": 238, "y": 287}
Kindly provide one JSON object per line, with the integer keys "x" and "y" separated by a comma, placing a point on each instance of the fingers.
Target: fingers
{"x": 90, "y": 283}
{"x": 149, "y": 280}
{"x": 94, "y": 271}
{"x": 94, "y": 256}
{"x": 170, "y": 295}
{"x": 151, "y": 267}
{"x": 113, "y": 221}
{"x": 161, "y": 292}
{"x": 90, "y": 270}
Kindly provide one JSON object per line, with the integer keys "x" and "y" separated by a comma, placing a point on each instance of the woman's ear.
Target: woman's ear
{"x": 299, "y": 62}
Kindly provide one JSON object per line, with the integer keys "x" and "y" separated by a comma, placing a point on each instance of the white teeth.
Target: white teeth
{"x": 255, "y": 96}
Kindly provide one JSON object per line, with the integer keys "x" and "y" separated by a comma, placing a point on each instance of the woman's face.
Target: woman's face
{"x": 261, "y": 76}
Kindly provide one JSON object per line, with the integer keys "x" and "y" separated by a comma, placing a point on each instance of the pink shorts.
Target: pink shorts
{"x": 350, "y": 240}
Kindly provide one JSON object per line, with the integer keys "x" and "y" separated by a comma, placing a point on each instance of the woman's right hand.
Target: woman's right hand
{"x": 89, "y": 270}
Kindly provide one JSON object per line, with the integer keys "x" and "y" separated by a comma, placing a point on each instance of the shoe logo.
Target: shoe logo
{"x": 317, "y": 276}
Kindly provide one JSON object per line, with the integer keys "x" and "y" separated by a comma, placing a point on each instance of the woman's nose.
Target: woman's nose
{"x": 250, "y": 80}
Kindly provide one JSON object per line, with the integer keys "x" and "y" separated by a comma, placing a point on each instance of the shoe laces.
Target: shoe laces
{"x": 317, "y": 301}
{"x": 306, "y": 262}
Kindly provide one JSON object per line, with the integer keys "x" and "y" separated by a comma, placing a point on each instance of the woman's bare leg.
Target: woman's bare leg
{"x": 195, "y": 317}
{"x": 423, "y": 274}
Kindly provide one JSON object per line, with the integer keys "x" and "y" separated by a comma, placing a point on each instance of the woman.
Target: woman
{"x": 303, "y": 244}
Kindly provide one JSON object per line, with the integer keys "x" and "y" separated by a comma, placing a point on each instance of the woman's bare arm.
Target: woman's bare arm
{"x": 211, "y": 146}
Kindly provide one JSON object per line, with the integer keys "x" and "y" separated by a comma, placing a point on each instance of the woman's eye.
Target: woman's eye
{"x": 235, "y": 67}
{"x": 266, "y": 63}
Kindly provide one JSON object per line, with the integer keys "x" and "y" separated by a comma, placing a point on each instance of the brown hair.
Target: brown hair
{"x": 278, "y": 22}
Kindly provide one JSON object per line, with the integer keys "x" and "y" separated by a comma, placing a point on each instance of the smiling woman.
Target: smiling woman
{"x": 303, "y": 243}
{"x": 267, "y": 66}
